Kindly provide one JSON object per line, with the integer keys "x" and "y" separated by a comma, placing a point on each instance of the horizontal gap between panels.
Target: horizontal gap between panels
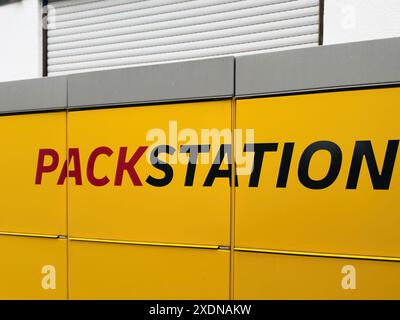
{"x": 31, "y": 235}
{"x": 151, "y": 244}
{"x": 146, "y": 103}
{"x": 319, "y": 254}
{"x": 319, "y": 90}
{"x": 22, "y": 112}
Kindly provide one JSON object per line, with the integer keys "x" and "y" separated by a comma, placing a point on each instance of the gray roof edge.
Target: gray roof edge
{"x": 33, "y": 95}
{"x": 191, "y": 80}
{"x": 374, "y": 62}
{"x": 349, "y": 65}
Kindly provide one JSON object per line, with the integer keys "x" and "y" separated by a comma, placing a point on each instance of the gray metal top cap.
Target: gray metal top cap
{"x": 333, "y": 66}
{"x": 33, "y": 95}
{"x": 191, "y": 80}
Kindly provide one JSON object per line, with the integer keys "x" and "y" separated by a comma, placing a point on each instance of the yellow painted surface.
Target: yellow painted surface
{"x": 23, "y": 259}
{"x": 271, "y": 276}
{"x": 27, "y": 207}
{"x": 363, "y": 221}
{"x": 173, "y": 213}
{"x": 115, "y": 271}
{"x": 334, "y": 220}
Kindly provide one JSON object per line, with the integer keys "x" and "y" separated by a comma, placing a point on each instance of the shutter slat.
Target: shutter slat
{"x": 70, "y": 3}
{"x": 207, "y": 13}
{"x": 289, "y": 47}
{"x": 134, "y": 33}
{"x": 238, "y": 48}
{"x": 185, "y": 46}
{"x": 115, "y": 4}
{"x": 277, "y": 27}
{"x": 110, "y": 34}
{"x": 142, "y": 8}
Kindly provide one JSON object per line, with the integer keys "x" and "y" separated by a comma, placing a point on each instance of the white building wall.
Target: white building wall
{"x": 359, "y": 20}
{"x": 20, "y": 40}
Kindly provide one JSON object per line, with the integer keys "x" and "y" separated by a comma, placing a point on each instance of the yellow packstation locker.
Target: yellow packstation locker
{"x": 125, "y": 195}
{"x": 279, "y": 276}
{"x": 326, "y": 174}
{"x": 33, "y": 145}
{"x": 124, "y": 271}
{"x": 151, "y": 204}
{"x": 33, "y": 268}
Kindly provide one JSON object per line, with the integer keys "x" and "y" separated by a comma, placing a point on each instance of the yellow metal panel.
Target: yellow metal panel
{"x": 271, "y": 276}
{"x": 117, "y": 271}
{"x": 26, "y": 206}
{"x": 172, "y": 213}
{"x": 334, "y": 219}
{"x": 33, "y": 268}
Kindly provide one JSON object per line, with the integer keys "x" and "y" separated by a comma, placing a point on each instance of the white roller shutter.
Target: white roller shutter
{"x": 87, "y": 35}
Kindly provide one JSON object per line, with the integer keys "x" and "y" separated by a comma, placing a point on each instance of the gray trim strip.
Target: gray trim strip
{"x": 326, "y": 67}
{"x": 192, "y": 80}
{"x": 335, "y": 66}
{"x": 33, "y": 95}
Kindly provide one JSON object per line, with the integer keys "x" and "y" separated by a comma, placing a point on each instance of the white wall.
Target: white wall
{"x": 20, "y": 40}
{"x": 359, "y": 20}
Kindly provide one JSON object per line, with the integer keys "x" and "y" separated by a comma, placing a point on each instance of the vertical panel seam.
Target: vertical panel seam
{"x": 67, "y": 192}
{"x": 233, "y": 186}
